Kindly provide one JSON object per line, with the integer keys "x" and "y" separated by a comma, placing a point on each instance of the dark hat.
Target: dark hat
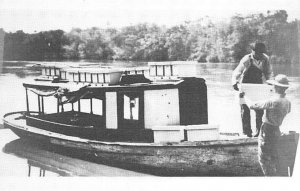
{"x": 259, "y": 47}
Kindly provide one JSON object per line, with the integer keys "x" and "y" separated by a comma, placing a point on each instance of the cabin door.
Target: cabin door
{"x": 131, "y": 110}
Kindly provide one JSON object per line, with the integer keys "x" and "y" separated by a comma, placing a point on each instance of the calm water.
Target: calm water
{"x": 18, "y": 158}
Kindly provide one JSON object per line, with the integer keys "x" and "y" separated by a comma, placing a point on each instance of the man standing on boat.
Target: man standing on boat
{"x": 253, "y": 68}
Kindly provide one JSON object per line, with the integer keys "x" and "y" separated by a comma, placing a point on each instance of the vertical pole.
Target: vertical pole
{"x": 44, "y": 172}
{"x": 29, "y": 170}
{"x": 72, "y": 106}
{"x": 40, "y": 172}
{"x": 27, "y": 101}
{"x": 104, "y": 80}
{"x": 91, "y": 101}
{"x": 39, "y": 104}
{"x": 57, "y": 105}
{"x": 62, "y": 108}
{"x": 79, "y": 109}
{"x": 131, "y": 107}
{"x": 43, "y": 111}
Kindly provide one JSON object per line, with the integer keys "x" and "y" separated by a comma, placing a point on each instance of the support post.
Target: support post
{"x": 43, "y": 109}
{"x": 72, "y": 106}
{"x": 29, "y": 170}
{"x": 39, "y": 104}
{"x": 91, "y": 101}
{"x": 57, "y": 105}
{"x": 27, "y": 101}
{"x": 79, "y": 109}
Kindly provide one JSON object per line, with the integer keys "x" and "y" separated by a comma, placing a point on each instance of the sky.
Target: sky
{"x": 40, "y": 15}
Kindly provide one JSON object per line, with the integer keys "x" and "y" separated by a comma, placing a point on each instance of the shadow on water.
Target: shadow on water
{"x": 62, "y": 161}
{"x": 35, "y": 157}
{"x": 74, "y": 162}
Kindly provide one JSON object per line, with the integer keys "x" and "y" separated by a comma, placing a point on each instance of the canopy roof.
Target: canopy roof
{"x": 72, "y": 92}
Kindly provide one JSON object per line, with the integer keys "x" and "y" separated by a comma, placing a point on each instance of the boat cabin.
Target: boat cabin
{"x": 95, "y": 76}
{"x": 53, "y": 71}
{"x": 172, "y": 70}
{"x": 128, "y": 111}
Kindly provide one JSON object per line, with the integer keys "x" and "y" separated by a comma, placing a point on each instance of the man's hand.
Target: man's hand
{"x": 235, "y": 87}
{"x": 242, "y": 94}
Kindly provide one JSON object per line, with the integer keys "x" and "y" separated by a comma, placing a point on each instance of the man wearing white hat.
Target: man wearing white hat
{"x": 253, "y": 68}
{"x": 276, "y": 109}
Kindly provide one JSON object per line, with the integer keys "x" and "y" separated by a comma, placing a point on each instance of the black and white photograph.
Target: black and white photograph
{"x": 149, "y": 89}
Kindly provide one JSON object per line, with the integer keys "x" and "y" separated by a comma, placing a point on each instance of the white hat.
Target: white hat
{"x": 280, "y": 80}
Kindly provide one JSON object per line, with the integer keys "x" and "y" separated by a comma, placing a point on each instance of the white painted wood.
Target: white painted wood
{"x": 183, "y": 69}
{"x": 168, "y": 133}
{"x": 111, "y": 110}
{"x": 44, "y": 71}
{"x": 161, "y": 108}
{"x": 179, "y": 69}
{"x": 52, "y": 72}
{"x": 256, "y": 92}
{"x": 203, "y": 132}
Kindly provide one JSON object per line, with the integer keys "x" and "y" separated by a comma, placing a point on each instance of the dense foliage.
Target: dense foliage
{"x": 201, "y": 40}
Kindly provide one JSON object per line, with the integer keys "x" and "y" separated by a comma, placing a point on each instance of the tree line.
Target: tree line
{"x": 202, "y": 40}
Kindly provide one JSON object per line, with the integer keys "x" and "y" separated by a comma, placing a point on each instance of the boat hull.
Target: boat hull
{"x": 213, "y": 158}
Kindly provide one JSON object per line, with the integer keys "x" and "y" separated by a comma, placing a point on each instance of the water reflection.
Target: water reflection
{"x": 49, "y": 160}
{"x": 37, "y": 159}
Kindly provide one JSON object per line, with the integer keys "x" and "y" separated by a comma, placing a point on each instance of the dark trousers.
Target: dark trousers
{"x": 267, "y": 149}
{"x": 246, "y": 119}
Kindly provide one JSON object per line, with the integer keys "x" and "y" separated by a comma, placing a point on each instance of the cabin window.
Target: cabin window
{"x": 76, "y": 77}
{"x": 44, "y": 71}
{"x": 152, "y": 70}
{"x": 160, "y": 70}
{"x": 131, "y": 106}
{"x": 131, "y": 110}
{"x": 85, "y": 106}
{"x": 52, "y": 72}
{"x": 82, "y": 77}
{"x": 168, "y": 70}
{"x": 57, "y": 71}
{"x": 63, "y": 75}
{"x": 107, "y": 78}
{"x": 48, "y": 72}
{"x": 97, "y": 107}
{"x": 88, "y": 77}
{"x": 100, "y": 78}
{"x": 94, "y": 78}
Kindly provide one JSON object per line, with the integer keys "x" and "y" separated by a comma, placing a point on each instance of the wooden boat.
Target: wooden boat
{"x": 160, "y": 127}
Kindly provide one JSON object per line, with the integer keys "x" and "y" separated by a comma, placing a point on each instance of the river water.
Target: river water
{"x": 22, "y": 159}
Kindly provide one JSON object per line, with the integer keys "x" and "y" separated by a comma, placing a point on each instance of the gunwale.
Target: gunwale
{"x": 9, "y": 120}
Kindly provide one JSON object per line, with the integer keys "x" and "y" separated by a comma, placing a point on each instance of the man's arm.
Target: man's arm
{"x": 236, "y": 75}
{"x": 269, "y": 104}
{"x": 268, "y": 70}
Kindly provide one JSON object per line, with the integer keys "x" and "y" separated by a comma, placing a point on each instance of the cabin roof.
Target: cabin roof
{"x": 94, "y": 70}
{"x": 172, "y": 63}
{"x": 163, "y": 84}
